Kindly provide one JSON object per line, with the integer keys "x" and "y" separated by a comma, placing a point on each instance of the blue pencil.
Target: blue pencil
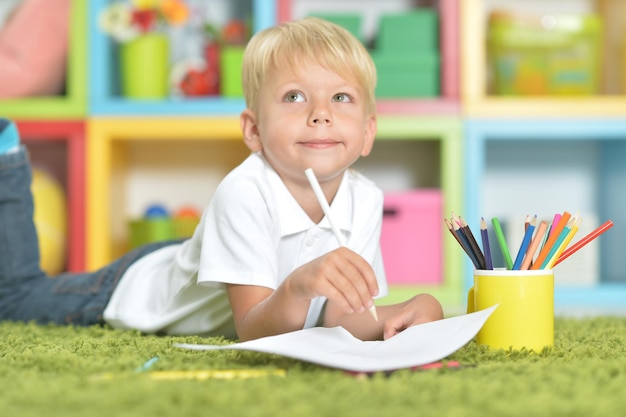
{"x": 485, "y": 238}
{"x": 465, "y": 244}
{"x": 525, "y": 242}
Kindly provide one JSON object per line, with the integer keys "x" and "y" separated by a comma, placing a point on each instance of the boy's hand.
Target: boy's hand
{"x": 422, "y": 308}
{"x": 342, "y": 276}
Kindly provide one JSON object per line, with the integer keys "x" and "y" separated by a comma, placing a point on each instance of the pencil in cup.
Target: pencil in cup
{"x": 570, "y": 235}
{"x": 504, "y": 248}
{"x": 472, "y": 242}
{"x": 584, "y": 241}
{"x": 454, "y": 228}
{"x": 534, "y": 244}
{"x": 528, "y": 234}
{"x": 555, "y": 232}
{"x": 319, "y": 194}
{"x": 484, "y": 234}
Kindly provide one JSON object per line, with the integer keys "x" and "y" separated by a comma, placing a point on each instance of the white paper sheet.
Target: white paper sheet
{"x": 337, "y": 348}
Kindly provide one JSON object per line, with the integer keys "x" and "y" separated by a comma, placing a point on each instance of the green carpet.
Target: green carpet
{"x": 61, "y": 371}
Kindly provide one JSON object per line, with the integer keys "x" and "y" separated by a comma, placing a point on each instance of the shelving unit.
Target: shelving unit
{"x": 110, "y": 152}
{"x": 446, "y": 131}
{"x": 56, "y": 123}
{"x": 70, "y": 135}
{"x": 105, "y": 97}
{"x": 448, "y": 102}
{"x": 554, "y": 153}
{"x": 73, "y": 105}
{"x": 477, "y": 103}
{"x": 604, "y": 140}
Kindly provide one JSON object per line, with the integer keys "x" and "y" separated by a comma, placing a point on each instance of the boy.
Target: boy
{"x": 263, "y": 260}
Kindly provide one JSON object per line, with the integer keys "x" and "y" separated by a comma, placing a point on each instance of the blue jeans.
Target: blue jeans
{"x": 26, "y": 293}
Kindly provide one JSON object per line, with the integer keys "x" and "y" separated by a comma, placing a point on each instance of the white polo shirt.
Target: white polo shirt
{"x": 252, "y": 233}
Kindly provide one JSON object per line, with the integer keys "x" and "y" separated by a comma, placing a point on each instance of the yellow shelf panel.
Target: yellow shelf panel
{"x": 107, "y": 152}
{"x": 477, "y": 103}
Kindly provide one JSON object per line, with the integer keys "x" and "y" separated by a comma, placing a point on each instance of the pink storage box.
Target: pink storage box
{"x": 411, "y": 238}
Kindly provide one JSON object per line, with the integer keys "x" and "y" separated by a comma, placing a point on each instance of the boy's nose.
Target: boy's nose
{"x": 320, "y": 117}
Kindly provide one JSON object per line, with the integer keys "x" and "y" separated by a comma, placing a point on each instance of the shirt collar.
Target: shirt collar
{"x": 293, "y": 219}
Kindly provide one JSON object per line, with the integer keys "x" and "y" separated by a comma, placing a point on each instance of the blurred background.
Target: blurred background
{"x": 488, "y": 108}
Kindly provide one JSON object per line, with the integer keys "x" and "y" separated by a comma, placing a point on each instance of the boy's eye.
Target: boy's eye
{"x": 342, "y": 98}
{"x": 294, "y": 97}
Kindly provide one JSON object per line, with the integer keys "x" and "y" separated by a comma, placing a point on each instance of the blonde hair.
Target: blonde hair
{"x": 300, "y": 42}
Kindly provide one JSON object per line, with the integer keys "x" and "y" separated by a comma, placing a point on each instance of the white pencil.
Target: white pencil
{"x": 326, "y": 209}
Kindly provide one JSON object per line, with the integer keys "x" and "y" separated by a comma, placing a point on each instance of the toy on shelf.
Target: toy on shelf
{"x": 544, "y": 54}
{"x": 234, "y": 37}
{"x": 158, "y": 224}
{"x": 144, "y": 46}
{"x": 50, "y": 217}
{"x": 218, "y": 70}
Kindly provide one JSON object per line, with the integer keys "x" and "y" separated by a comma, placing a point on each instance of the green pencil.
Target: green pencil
{"x": 502, "y": 243}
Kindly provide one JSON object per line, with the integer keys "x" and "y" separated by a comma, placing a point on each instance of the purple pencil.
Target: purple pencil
{"x": 485, "y": 238}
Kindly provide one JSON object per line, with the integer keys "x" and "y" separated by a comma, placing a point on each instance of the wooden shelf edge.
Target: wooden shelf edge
{"x": 548, "y": 107}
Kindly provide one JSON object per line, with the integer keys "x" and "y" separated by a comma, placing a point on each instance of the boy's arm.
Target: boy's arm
{"x": 261, "y": 311}
{"x": 342, "y": 276}
{"x": 392, "y": 319}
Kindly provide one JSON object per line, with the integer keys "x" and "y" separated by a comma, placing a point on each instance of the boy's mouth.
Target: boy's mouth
{"x": 320, "y": 143}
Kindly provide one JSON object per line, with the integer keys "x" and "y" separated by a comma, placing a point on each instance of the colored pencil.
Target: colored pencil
{"x": 497, "y": 228}
{"x": 554, "y": 235}
{"x": 530, "y": 253}
{"x": 484, "y": 234}
{"x": 449, "y": 226}
{"x": 566, "y": 241}
{"x": 555, "y": 221}
{"x": 528, "y": 234}
{"x": 465, "y": 244}
{"x": 557, "y": 243}
{"x": 526, "y": 223}
{"x": 472, "y": 241}
{"x": 583, "y": 241}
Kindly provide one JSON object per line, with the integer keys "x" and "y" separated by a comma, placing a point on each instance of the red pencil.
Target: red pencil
{"x": 582, "y": 242}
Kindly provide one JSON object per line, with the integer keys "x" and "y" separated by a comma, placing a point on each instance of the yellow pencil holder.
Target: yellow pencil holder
{"x": 524, "y": 317}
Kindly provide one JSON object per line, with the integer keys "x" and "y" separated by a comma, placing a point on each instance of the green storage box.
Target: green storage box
{"x": 415, "y": 31}
{"x": 550, "y": 55}
{"x": 144, "y": 231}
{"x": 231, "y": 59}
{"x": 349, "y": 21}
{"x": 407, "y": 75}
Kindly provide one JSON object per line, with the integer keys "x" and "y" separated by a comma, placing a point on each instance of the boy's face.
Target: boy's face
{"x": 311, "y": 118}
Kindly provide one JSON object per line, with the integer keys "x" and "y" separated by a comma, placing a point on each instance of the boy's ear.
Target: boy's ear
{"x": 371, "y": 127}
{"x": 250, "y": 130}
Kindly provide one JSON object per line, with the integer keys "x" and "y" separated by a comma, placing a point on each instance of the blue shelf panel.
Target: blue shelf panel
{"x": 103, "y": 100}
{"x": 607, "y": 137}
{"x": 184, "y": 107}
{"x": 605, "y": 296}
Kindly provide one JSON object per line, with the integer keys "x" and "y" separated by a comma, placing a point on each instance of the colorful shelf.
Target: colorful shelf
{"x": 448, "y": 102}
{"x": 72, "y": 134}
{"x": 73, "y": 105}
{"x": 477, "y": 103}
{"x": 605, "y": 134}
{"x": 104, "y": 97}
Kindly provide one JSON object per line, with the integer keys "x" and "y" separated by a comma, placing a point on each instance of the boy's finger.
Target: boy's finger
{"x": 352, "y": 282}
